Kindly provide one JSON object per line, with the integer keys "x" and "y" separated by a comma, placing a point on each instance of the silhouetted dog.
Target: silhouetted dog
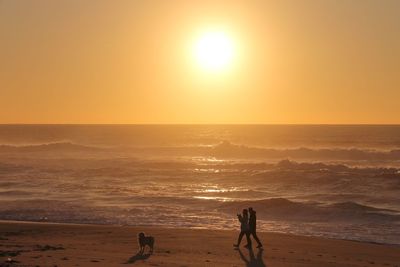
{"x": 145, "y": 240}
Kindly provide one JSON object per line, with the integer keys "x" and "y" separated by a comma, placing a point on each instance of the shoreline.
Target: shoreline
{"x": 196, "y": 228}
{"x": 50, "y": 244}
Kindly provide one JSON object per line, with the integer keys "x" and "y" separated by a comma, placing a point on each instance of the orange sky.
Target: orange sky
{"x": 71, "y": 61}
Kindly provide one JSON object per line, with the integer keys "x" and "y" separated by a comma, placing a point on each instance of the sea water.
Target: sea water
{"x": 340, "y": 181}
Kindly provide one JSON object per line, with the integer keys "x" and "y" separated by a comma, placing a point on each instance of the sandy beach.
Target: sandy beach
{"x": 45, "y": 244}
{"x": 188, "y": 124}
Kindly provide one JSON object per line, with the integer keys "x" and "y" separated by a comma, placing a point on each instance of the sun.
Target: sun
{"x": 214, "y": 51}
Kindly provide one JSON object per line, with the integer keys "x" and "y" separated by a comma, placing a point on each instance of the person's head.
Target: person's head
{"x": 251, "y": 210}
{"x": 245, "y": 212}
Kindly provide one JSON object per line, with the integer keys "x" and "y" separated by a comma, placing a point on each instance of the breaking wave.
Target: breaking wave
{"x": 224, "y": 149}
{"x": 48, "y": 147}
{"x": 227, "y": 149}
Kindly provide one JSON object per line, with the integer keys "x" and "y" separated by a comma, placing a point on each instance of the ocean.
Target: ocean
{"x": 336, "y": 181}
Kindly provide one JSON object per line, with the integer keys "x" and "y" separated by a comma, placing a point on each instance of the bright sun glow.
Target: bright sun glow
{"x": 214, "y": 51}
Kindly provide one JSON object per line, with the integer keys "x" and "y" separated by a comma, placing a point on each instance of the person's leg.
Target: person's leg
{"x": 240, "y": 238}
{"x": 254, "y": 234}
{"x": 248, "y": 239}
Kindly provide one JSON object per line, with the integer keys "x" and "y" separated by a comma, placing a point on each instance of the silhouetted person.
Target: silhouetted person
{"x": 253, "y": 226}
{"x": 244, "y": 228}
{"x": 253, "y": 261}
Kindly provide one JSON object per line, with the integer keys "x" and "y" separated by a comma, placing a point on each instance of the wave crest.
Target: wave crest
{"x": 48, "y": 147}
{"x": 227, "y": 149}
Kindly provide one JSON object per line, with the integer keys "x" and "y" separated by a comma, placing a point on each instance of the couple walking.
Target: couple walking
{"x": 248, "y": 225}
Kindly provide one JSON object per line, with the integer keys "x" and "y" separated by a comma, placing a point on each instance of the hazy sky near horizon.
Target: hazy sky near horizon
{"x": 299, "y": 61}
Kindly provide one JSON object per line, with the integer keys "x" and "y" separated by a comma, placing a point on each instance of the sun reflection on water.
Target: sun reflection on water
{"x": 223, "y": 199}
{"x": 211, "y": 191}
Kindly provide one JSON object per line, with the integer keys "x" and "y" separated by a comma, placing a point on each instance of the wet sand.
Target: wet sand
{"x": 45, "y": 244}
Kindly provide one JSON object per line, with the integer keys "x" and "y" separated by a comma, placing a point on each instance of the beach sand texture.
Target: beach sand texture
{"x": 44, "y": 244}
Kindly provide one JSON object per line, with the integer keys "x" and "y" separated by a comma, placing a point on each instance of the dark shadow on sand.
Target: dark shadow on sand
{"x": 253, "y": 261}
{"x": 138, "y": 256}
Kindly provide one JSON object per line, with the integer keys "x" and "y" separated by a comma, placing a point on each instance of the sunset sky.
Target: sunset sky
{"x": 147, "y": 61}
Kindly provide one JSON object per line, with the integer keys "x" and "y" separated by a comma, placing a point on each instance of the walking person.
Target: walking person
{"x": 244, "y": 228}
{"x": 253, "y": 226}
